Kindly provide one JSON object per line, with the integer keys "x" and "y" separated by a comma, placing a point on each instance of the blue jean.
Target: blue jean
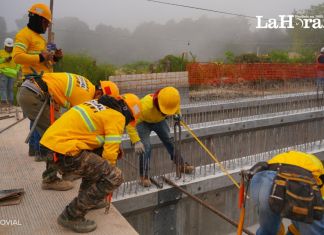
{"x": 34, "y": 139}
{"x": 269, "y": 221}
{"x": 144, "y": 130}
{"x": 6, "y": 88}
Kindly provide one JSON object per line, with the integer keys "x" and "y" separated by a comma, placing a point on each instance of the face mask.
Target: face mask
{"x": 37, "y": 23}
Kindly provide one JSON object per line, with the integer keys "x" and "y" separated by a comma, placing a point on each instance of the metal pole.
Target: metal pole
{"x": 13, "y": 124}
{"x": 220, "y": 214}
{"x": 49, "y": 37}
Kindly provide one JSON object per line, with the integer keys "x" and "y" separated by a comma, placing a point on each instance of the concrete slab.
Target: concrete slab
{"x": 37, "y": 212}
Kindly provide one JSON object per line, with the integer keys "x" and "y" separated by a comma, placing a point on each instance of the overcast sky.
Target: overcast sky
{"x": 130, "y": 13}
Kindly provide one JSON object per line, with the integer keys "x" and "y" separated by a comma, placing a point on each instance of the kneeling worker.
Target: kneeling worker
{"x": 290, "y": 185}
{"x": 75, "y": 136}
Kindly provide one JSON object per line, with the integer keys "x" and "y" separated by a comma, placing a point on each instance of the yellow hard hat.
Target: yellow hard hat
{"x": 109, "y": 88}
{"x": 42, "y": 10}
{"x": 169, "y": 100}
{"x": 134, "y": 104}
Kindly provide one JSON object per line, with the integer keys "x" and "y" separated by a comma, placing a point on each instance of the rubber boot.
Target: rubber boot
{"x": 58, "y": 185}
{"x": 79, "y": 225}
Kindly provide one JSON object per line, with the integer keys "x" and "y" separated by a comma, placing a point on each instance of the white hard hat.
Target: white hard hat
{"x": 8, "y": 42}
{"x": 322, "y": 50}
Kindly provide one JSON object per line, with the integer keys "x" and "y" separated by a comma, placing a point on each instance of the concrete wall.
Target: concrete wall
{"x": 189, "y": 217}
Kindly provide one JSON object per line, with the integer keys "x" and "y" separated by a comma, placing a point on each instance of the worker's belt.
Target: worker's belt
{"x": 295, "y": 194}
{"x": 39, "y": 81}
{"x": 41, "y": 96}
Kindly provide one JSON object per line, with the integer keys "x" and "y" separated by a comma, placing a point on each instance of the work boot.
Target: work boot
{"x": 145, "y": 181}
{"x": 79, "y": 225}
{"x": 31, "y": 152}
{"x": 58, "y": 185}
{"x": 39, "y": 157}
{"x": 4, "y": 106}
{"x": 186, "y": 168}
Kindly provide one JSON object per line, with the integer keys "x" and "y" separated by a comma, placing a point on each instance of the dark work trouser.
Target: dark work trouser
{"x": 31, "y": 103}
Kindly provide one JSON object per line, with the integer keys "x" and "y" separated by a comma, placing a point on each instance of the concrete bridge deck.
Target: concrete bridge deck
{"x": 39, "y": 209}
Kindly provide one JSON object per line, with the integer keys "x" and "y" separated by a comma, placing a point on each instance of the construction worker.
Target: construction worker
{"x": 30, "y": 50}
{"x": 288, "y": 186}
{"x": 66, "y": 90}
{"x": 156, "y": 108}
{"x": 85, "y": 128}
{"x": 9, "y": 71}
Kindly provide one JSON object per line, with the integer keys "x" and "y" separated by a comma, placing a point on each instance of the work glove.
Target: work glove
{"x": 46, "y": 56}
{"x": 58, "y": 55}
{"x": 177, "y": 117}
{"x": 139, "y": 147}
{"x": 8, "y": 59}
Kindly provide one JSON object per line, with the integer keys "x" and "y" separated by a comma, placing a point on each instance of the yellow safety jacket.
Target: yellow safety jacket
{"x": 69, "y": 89}
{"x": 86, "y": 127}
{"x": 28, "y": 45}
{"x": 9, "y": 69}
{"x": 3, "y": 55}
{"x": 304, "y": 160}
{"x": 149, "y": 114}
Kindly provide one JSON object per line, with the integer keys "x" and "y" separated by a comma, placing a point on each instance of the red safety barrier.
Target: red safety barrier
{"x": 217, "y": 74}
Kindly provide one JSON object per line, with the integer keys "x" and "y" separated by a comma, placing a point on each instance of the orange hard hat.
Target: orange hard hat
{"x": 169, "y": 100}
{"x": 42, "y": 10}
{"x": 109, "y": 88}
{"x": 134, "y": 104}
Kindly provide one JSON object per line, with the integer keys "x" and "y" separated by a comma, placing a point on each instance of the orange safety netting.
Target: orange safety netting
{"x": 216, "y": 74}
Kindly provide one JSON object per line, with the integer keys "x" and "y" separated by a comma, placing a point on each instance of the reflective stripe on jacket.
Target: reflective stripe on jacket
{"x": 149, "y": 114}
{"x": 69, "y": 89}
{"x": 86, "y": 127}
{"x": 28, "y": 45}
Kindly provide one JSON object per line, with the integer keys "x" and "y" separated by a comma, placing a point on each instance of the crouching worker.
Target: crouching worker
{"x": 66, "y": 90}
{"x": 289, "y": 186}
{"x": 155, "y": 109}
{"x": 75, "y": 136}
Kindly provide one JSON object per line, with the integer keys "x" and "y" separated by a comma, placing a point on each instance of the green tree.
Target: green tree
{"x": 86, "y": 66}
{"x": 309, "y": 38}
{"x": 277, "y": 56}
{"x": 172, "y": 63}
{"x": 137, "y": 67}
{"x": 229, "y": 57}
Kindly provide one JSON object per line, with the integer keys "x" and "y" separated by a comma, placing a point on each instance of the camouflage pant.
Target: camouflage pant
{"x": 50, "y": 173}
{"x": 98, "y": 179}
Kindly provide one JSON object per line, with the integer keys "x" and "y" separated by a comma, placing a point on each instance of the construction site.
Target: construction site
{"x": 229, "y": 126}
{"x": 228, "y": 115}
